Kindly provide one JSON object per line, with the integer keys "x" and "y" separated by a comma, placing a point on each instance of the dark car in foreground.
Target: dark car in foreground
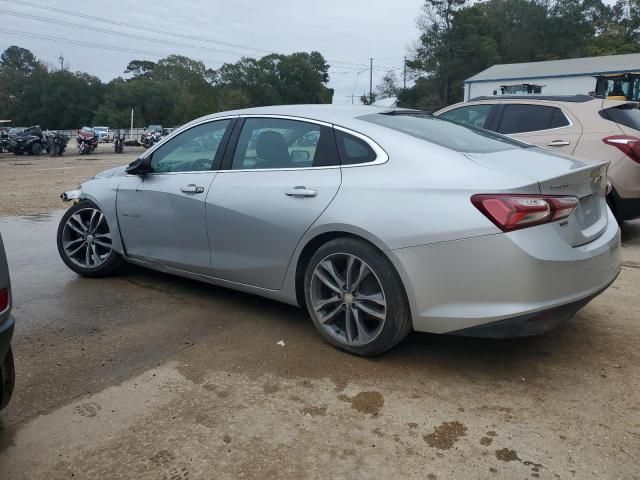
{"x": 7, "y": 372}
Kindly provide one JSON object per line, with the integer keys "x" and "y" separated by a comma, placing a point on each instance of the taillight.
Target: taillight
{"x": 4, "y": 299}
{"x": 511, "y": 212}
{"x": 629, "y": 145}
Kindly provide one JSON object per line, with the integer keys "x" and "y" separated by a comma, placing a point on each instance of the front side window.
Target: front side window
{"x": 530, "y": 118}
{"x": 193, "y": 150}
{"x": 275, "y": 143}
{"x": 474, "y": 115}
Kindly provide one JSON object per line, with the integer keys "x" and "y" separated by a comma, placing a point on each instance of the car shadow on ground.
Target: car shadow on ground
{"x": 420, "y": 353}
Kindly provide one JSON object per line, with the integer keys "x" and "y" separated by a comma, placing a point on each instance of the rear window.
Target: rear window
{"x": 446, "y": 133}
{"x": 627, "y": 115}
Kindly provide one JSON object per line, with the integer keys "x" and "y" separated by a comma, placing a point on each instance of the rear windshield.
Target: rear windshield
{"x": 446, "y": 133}
{"x": 627, "y": 115}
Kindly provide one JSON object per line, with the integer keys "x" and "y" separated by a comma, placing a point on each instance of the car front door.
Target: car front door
{"x": 275, "y": 183}
{"x": 544, "y": 125}
{"x": 162, "y": 213}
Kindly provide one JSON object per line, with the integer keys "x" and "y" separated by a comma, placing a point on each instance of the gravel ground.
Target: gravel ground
{"x": 148, "y": 376}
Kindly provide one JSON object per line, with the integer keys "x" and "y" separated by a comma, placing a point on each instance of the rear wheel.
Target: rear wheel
{"x": 7, "y": 378}
{"x": 85, "y": 242}
{"x": 355, "y": 297}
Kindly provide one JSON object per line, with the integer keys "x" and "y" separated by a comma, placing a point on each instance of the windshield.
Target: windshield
{"x": 446, "y": 133}
{"x": 100, "y": 129}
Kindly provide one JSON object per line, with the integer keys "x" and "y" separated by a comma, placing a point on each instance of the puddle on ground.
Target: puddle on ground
{"x": 445, "y": 435}
{"x": 365, "y": 402}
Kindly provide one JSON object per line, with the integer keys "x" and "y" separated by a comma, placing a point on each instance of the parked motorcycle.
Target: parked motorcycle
{"x": 118, "y": 141}
{"x": 26, "y": 140}
{"x": 87, "y": 141}
{"x": 151, "y": 135}
{"x": 56, "y": 143}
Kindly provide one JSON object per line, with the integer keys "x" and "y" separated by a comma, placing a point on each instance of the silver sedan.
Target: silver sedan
{"x": 379, "y": 221}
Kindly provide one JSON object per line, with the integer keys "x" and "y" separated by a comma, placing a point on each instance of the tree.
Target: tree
{"x": 388, "y": 87}
{"x": 459, "y": 40}
{"x": 141, "y": 68}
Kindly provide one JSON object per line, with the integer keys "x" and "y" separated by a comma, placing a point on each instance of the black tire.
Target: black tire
{"x": 397, "y": 324}
{"x": 7, "y": 379}
{"x": 109, "y": 266}
{"x": 36, "y": 148}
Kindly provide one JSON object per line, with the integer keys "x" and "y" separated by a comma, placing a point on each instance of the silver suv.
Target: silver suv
{"x": 579, "y": 125}
{"x": 7, "y": 372}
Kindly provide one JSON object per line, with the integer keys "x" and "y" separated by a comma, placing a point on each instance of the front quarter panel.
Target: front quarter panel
{"x": 103, "y": 192}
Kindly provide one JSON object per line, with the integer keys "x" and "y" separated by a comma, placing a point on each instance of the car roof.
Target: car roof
{"x": 345, "y": 115}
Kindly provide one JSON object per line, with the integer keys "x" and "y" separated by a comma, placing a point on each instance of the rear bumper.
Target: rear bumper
{"x": 6, "y": 333}
{"x": 530, "y": 324}
{"x": 526, "y": 274}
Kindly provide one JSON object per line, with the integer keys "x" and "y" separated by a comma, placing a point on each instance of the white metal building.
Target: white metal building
{"x": 554, "y": 77}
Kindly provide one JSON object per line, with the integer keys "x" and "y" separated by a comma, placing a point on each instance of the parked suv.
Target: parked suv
{"x": 579, "y": 125}
{"x": 7, "y": 373}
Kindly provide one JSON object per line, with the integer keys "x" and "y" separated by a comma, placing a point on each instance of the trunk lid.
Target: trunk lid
{"x": 560, "y": 175}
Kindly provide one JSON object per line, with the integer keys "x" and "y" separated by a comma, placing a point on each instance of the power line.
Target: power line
{"x": 120, "y": 34}
{"x": 96, "y": 45}
{"x": 164, "y": 32}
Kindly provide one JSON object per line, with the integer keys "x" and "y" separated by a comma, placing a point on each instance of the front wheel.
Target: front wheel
{"x": 85, "y": 241}
{"x": 355, "y": 297}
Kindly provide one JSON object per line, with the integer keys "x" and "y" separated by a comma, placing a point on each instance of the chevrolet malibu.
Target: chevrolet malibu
{"x": 378, "y": 221}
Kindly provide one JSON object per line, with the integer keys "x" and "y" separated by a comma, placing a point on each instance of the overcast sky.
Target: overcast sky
{"x": 346, "y": 32}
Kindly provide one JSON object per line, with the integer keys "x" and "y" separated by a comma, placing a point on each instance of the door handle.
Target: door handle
{"x": 301, "y": 192}
{"x": 192, "y": 188}
{"x": 559, "y": 143}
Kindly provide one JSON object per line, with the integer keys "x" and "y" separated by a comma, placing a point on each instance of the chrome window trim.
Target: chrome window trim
{"x": 381, "y": 155}
{"x": 175, "y": 133}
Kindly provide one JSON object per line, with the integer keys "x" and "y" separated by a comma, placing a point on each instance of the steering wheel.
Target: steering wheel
{"x": 201, "y": 164}
{"x": 195, "y": 165}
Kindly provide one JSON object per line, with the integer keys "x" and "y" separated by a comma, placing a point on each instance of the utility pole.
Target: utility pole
{"x": 131, "y": 129}
{"x": 371, "y": 81}
{"x": 405, "y": 74}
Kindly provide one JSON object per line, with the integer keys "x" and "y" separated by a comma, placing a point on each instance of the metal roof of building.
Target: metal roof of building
{"x": 560, "y": 68}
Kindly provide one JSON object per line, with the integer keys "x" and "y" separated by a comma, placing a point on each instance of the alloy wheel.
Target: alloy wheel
{"x": 86, "y": 238}
{"x": 348, "y": 299}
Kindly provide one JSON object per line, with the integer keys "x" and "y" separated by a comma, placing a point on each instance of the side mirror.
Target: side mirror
{"x": 140, "y": 166}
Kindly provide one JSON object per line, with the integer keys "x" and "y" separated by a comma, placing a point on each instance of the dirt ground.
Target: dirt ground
{"x": 148, "y": 376}
{"x": 31, "y": 184}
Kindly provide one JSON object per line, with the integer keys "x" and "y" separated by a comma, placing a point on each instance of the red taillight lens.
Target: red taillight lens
{"x": 629, "y": 145}
{"x": 511, "y": 212}
{"x": 4, "y": 299}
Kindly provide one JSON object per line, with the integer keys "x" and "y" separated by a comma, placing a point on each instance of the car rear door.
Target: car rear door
{"x": 162, "y": 214}
{"x": 546, "y": 125}
{"x": 280, "y": 176}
